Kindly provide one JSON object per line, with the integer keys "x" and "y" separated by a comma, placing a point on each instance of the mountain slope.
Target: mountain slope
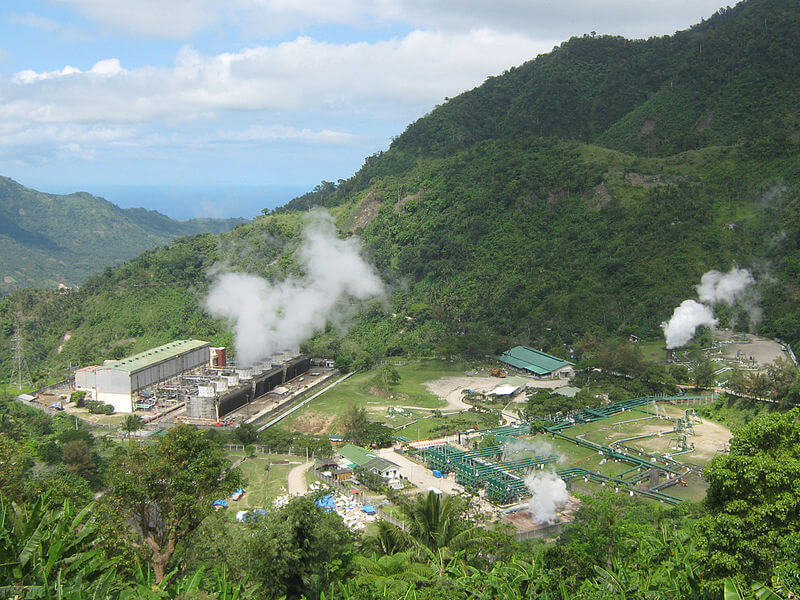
{"x": 47, "y": 239}
{"x": 490, "y": 234}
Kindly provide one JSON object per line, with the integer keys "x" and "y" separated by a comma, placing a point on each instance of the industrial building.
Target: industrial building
{"x": 537, "y": 363}
{"x": 222, "y": 390}
{"x": 118, "y": 382}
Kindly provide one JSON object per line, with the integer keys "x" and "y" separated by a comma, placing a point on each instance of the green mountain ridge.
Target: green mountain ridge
{"x": 48, "y": 239}
{"x": 581, "y": 194}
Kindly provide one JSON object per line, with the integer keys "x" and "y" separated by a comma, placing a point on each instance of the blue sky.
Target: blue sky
{"x": 264, "y": 93}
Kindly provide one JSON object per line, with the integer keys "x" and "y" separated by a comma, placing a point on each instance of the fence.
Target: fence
{"x": 261, "y": 449}
{"x": 540, "y": 532}
{"x": 57, "y": 386}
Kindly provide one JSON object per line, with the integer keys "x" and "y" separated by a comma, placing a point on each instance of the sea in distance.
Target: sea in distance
{"x": 189, "y": 201}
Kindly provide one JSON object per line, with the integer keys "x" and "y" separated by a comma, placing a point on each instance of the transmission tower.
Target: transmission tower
{"x": 19, "y": 370}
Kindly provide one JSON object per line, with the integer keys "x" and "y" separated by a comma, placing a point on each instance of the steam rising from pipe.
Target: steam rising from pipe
{"x": 731, "y": 288}
{"x": 549, "y": 495}
{"x": 686, "y": 318}
{"x": 270, "y": 317}
{"x": 536, "y": 447}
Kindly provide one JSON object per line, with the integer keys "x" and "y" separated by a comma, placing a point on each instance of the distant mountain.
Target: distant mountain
{"x": 579, "y": 196}
{"x": 47, "y": 239}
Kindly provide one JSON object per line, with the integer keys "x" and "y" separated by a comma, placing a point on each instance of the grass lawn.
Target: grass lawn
{"x": 263, "y": 485}
{"x": 707, "y": 440}
{"x": 319, "y": 416}
{"x": 432, "y": 427}
{"x": 654, "y": 351}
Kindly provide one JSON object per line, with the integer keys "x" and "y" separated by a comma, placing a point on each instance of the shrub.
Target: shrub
{"x": 79, "y": 398}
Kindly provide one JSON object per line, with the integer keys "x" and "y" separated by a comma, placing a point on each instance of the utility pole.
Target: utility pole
{"x": 20, "y": 364}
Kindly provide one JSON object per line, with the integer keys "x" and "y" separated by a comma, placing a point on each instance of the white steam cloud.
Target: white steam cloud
{"x": 536, "y": 447}
{"x": 271, "y": 317}
{"x": 549, "y": 495}
{"x": 727, "y": 287}
{"x": 732, "y": 288}
{"x": 685, "y": 320}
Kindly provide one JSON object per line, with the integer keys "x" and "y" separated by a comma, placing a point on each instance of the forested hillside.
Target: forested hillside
{"x": 47, "y": 239}
{"x": 584, "y": 192}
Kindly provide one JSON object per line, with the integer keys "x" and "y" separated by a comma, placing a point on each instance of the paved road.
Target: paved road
{"x": 297, "y": 479}
{"x": 418, "y": 474}
{"x": 423, "y": 478}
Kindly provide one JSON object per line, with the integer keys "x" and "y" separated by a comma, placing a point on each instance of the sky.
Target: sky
{"x": 99, "y": 95}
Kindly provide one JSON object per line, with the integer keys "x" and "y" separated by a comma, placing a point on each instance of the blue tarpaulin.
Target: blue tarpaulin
{"x": 437, "y": 473}
{"x": 370, "y": 510}
{"x": 221, "y": 503}
{"x": 327, "y": 503}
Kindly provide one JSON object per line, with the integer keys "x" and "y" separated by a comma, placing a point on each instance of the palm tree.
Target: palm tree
{"x": 435, "y": 520}
{"x": 438, "y": 522}
{"x": 132, "y": 423}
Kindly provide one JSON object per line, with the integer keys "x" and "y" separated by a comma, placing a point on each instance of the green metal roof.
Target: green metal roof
{"x": 532, "y": 360}
{"x": 356, "y": 455}
{"x": 154, "y": 355}
{"x": 379, "y": 464}
{"x": 568, "y": 391}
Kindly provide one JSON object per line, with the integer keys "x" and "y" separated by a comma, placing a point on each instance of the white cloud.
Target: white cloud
{"x": 36, "y": 21}
{"x": 400, "y": 76}
{"x": 180, "y": 19}
{"x": 279, "y": 86}
{"x": 269, "y": 133}
{"x": 50, "y": 26}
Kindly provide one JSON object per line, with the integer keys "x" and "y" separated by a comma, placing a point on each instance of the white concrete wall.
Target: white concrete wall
{"x": 122, "y": 403}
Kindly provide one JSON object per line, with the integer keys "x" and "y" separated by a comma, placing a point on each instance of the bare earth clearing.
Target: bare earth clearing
{"x": 450, "y": 389}
{"x": 709, "y": 438}
{"x": 762, "y": 350}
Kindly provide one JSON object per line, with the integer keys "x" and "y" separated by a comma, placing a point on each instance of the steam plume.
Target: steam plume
{"x": 727, "y": 287}
{"x": 537, "y": 447}
{"x": 732, "y": 288}
{"x": 549, "y": 494}
{"x": 685, "y": 320}
{"x": 270, "y": 317}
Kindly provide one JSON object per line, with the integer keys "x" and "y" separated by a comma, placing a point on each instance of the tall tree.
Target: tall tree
{"x": 297, "y": 550}
{"x": 754, "y": 501}
{"x": 165, "y": 490}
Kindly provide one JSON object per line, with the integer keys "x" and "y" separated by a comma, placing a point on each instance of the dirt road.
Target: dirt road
{"x": 297, "y": 479}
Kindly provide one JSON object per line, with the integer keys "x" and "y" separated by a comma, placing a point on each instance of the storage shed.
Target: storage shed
{"x": 537, "y": 362}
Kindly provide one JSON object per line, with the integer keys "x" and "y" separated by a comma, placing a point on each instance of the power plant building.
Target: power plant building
{"x": 232, "y": 388}
{"x": 117, "y": 382}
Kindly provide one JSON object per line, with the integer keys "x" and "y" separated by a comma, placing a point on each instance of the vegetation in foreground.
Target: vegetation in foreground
{"x": 62, "y": 543}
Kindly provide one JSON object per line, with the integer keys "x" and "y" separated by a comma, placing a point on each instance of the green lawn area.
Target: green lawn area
{"x": 262, "y": 485}
{"x": 432, "y": 427}
{"x": 361, "y": 389}
{"x": 654, "y": 351}
{"x": 605, "y": 431}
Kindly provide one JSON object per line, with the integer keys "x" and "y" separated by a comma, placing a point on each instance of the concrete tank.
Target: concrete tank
{"x": 206, "y": 390}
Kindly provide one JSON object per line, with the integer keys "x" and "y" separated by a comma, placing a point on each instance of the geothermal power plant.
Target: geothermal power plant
{"x": 189, "y": 372}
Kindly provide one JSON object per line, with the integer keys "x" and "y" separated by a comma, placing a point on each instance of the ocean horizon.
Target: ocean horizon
{"x": 193, "y": 201}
